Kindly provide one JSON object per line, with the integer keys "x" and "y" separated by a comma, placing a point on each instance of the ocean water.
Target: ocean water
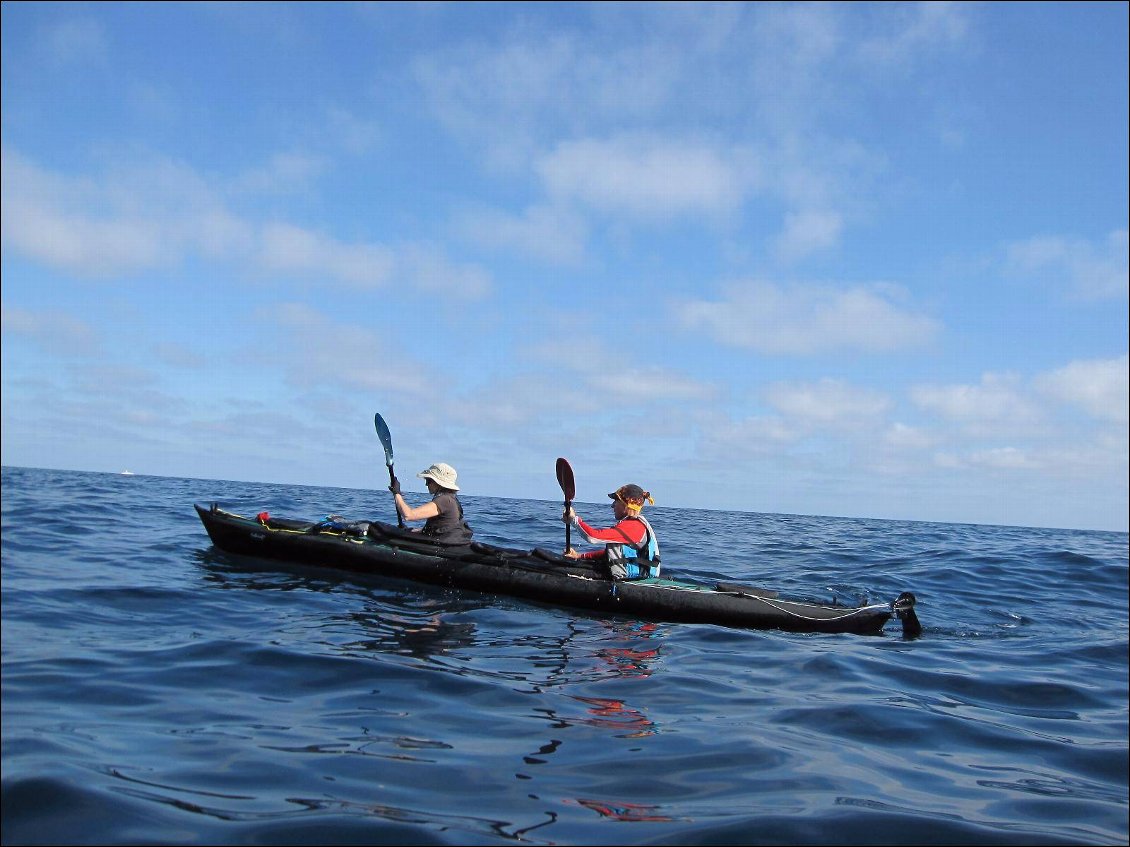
{"x": 158, "y": 691}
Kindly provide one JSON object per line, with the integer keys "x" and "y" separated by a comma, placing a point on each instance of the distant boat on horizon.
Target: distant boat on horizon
{"x": 127, "y": 473}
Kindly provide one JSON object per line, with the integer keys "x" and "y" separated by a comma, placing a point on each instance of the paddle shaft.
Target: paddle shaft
{"x": 568, "y": 527}
{"x": 386, "y": 441}
{"x": 569, "y": 489}
{"x": 392, "y": 479}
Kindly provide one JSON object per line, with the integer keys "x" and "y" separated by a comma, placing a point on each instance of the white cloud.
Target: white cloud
{"x": 159, "y": 214}
{"x": 509, "y": 98}
{"x": 808, "y": 232}
{"x": 294, "y": 250}
{"x": 179, "y": 356}
{"x": 609, "y": 382}
{"x": 917, "y": 29}
{"x": 423, "y": 268}
{"x": 132, "y": 219}
{"x": 550, "y": 100}
{"x": 759, "y": 436}
{"x": 792, "y": 53}
{"x": 568, "y": 348}
{"x": 1006, "y": 404}
{"x": 427, "y": 269}
{"x": 592, "y": 114}
{"x": 1097, "y": 386}
{"x": 805, "y": 320}
{"x": 54, "y": 331}
{"x": 544, "y": 231}
{"x": 828, "y": 404}
{"x": 997, "y": 458}
{"x": 1092, "y": 459}
{"x": 900, "y": 436}
{"x": 642, "y": 385}
{"x": 283, "y": 172}
{"x": 82, "y": 244}
{"x": 512, "y": 402}
{"x": 648, "y": 177}
{"x": 315, "y": 351}
{"x": 1091, "y": 271}
{"x": 44, "y": 216}
{"x": 999, "y": 403}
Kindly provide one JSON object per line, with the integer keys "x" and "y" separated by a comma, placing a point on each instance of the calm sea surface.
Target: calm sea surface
{"x": 158, "y": 691}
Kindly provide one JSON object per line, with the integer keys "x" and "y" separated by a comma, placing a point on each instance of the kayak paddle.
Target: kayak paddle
{"x": 386, "y": 441}
{"x": 569, "y": 489}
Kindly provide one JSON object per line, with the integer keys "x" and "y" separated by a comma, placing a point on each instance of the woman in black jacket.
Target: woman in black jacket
{"x": 443, "y": 513}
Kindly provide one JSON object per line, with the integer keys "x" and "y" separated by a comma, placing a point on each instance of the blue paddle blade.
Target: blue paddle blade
{"x": 385, "y": 436}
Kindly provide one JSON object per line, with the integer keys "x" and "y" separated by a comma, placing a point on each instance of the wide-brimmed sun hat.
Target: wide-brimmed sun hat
{"x": 442, "y": 474}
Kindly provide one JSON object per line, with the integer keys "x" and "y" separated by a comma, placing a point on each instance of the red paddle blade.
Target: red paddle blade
{"x": 565, "y": 479}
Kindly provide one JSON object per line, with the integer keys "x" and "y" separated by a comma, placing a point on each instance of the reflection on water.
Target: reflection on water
{"x": 617, "y": 715}
{"x": 412, "y": 635}
{"x": 631, "y": 660}
{"x": 429, "y": 623}
{"x": 622, "y": 811}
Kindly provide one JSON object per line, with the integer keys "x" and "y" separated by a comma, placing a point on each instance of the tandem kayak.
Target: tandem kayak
{"x": 538, "y": 574}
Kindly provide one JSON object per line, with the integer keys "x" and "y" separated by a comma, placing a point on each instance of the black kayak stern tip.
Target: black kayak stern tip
{"x": 904, "y": 610}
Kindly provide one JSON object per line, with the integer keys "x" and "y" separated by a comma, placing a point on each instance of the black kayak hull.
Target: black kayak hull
{"x": 538, "y": 575}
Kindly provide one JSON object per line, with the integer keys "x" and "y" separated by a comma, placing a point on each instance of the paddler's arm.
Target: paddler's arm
{"x": 570, "y": 516}
{"x": 420, "y": 513}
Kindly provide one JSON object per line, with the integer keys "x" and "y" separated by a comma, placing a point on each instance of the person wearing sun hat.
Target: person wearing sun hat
{"x": 443, "y": 513}
{"x": 631, "y": 550}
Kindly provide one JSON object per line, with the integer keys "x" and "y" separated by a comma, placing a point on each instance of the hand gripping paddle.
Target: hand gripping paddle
{"x": 386, "y": 441}
{"x": 569, "y": 489}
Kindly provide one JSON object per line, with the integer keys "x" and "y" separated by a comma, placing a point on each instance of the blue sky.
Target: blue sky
{"x": 865, "y": 260}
